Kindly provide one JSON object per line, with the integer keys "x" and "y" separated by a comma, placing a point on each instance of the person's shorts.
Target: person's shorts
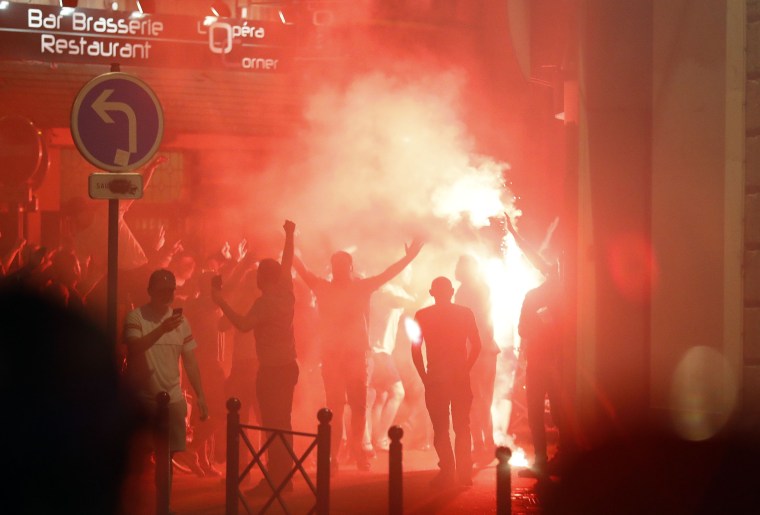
{"x": 384, "y": 373}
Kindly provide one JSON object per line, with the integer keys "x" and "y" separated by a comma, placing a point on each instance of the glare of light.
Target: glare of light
{"x": 476, "y": 194}
{"x": 208, "y": 20}
{"x": 244, "y": 12}
{"x": 413, "y": 331}
{"x": 510, "y": 277}
{"x": 704, "y": 393}
{"x": 137, "y": 14}
{"x": 66, "y": 11}
{"x": 114, "y": 6}
{"x": 519, "y": 459}
{"x": 560, "y": 116}
{"x": 501, "y": 407}
{"x": 4, "y": 4}
{"x": 633, "y": 265}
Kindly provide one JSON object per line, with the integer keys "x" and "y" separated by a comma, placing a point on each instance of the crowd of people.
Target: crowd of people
{"x": 272, "y": 333}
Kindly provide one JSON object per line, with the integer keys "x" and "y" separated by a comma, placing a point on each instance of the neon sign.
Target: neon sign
{"x": 93, "y": 36}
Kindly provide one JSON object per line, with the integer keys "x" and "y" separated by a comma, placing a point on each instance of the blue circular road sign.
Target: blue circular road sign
{"x": 117, "y": 122}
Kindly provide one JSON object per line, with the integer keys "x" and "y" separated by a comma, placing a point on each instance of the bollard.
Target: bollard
{"x": 395, "y": 472}
{"x": 323, "y": 461}
{"x": 233, "y": 456}
{"x": 503, "y": 482}
{"x": 162, "y": 454}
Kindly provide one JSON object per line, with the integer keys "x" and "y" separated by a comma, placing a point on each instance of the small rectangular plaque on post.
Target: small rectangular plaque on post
{"x": 107, "y": 185}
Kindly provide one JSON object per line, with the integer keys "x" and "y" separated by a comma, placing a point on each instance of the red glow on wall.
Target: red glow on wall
{"x": 633, "y": 266}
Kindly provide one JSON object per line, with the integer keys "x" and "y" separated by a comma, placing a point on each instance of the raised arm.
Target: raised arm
{"x": 239, "y": 269}
{"x": 396, "y": 268}
{"x": 147, "y": 174}
{"x": 9, "y": 256}
{"x": 287, "y": 251}
{"x": 243, "y": 323}
{"x": 311, "y": 280}
{"x": 533, "y": 256}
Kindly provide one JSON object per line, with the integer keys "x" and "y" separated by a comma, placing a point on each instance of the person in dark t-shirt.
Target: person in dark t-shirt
{"x": 445, "y": 330}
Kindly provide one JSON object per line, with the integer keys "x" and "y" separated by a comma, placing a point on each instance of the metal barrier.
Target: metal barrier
{"x": 237, "y": 431}
{"x": 162, "y": 454}
{"x": 503, "y": 482}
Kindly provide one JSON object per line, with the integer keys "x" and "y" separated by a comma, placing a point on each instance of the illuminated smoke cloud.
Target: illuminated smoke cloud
{"x": 382, "y": 159}
{"x": 385, "y": 155}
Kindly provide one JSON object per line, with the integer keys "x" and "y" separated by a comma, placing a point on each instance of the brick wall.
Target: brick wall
{"x": 751, "y": 372}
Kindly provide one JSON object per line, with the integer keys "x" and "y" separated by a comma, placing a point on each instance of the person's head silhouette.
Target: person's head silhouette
{"x": 466, "y": 269}
{"x": 268, "y": 274}
{"x": 342, "y": 265}
{"x": 441, "y": 290}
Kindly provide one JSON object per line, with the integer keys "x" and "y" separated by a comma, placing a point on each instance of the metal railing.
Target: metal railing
{"x": 319, "y": 441}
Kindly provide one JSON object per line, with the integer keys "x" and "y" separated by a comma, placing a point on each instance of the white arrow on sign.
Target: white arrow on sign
{"x": 101, "y": 105}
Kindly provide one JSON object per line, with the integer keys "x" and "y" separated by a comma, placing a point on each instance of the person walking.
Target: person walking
{"x": 445, "y": 330}
{"x": 157, "y": 339}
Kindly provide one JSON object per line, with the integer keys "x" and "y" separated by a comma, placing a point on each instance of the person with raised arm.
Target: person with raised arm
{"x": 533, "y": 255}
{"x": 343, "y": 308}
{"x": 271, "y": 319}
{"x": 542, "y": 331}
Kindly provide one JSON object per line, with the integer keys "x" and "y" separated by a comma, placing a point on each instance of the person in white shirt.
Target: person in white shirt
{"x": 157, "y": 339}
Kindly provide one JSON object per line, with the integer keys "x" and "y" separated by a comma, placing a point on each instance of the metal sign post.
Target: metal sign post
{"x": 117, "y": 124}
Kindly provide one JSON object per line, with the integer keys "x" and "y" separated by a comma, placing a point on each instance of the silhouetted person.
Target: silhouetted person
{"x": 65, "y": 271}
{"x": 9, "y": 255}
{"x": 271, "y": 319}
{"x": 541, "y": 331}
{"x": 413, "y": 415}
{"x": 208, "y": 436}
{"x": 343, "y": 305}
{"x": 241, "y": 382}
{"x": 66, "y": 411}
{"x": 474, "y": 293}
{"x": 184, "y": 266}
{"x": 156, "y": 341}
{"x": 445, "y": 330}
{"x": 386, "y": 391}
{"x": 32, "y": 260}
